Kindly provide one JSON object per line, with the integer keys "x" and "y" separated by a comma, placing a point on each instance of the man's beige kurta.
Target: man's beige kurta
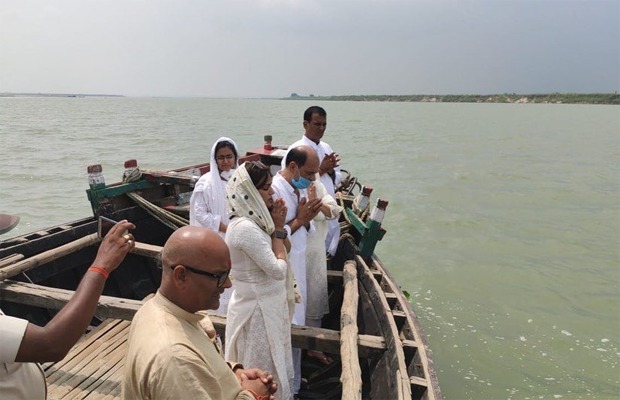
{"x": 171, "y": 357}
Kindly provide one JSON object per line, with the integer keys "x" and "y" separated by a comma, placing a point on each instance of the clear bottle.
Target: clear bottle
{"x": 95, "y": 176}
{"x": 361, "y": 201}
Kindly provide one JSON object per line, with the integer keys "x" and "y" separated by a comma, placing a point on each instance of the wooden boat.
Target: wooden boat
{"x": 372, "y": 333}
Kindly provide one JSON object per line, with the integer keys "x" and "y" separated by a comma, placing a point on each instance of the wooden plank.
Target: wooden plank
{"x": 392, "y": 299}
{"x": 47, "y": 256}
{"x": 399, "y": 318}
{"x": 320, "y": 339}
{"x": 147, "y": 250}
{"x": 92, "y": 360}
{"x": 53, "y": 298}
{"x": 108, "y": 365}
{"x": 12, "y": 259}
{"x": 422, "y": 363}
{"x": 351, "y": 375}
{"x": 304, "y": 337}
{"x": 394, "y": 350}
{"x": 334, "y": 276}
{"x": 95, "y": 344}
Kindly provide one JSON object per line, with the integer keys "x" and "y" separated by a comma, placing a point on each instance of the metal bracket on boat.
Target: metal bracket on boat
{"x": 371, "y": 230}
{"x": 99, "y": 197}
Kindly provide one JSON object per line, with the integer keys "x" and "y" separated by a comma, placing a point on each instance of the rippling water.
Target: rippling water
{"x": 503, "y": 223}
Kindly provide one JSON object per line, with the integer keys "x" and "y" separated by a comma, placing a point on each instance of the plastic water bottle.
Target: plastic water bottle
{"x": 95, "y": 176}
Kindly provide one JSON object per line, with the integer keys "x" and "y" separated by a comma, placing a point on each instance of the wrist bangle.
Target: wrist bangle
{"x": 100, "y": 271}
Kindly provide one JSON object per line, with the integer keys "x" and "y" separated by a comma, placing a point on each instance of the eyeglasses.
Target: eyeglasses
{"x": 226, "y": 157}
{"x": 221, "y": 278}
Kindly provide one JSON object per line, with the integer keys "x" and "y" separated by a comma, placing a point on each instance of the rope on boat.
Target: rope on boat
{"x": 164, "y": 216}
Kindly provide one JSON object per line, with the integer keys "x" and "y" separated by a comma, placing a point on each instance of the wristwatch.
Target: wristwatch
{"x": 280, "y": 234}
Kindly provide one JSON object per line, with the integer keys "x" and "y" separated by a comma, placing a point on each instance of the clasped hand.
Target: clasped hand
{"x": 258, "y": 381}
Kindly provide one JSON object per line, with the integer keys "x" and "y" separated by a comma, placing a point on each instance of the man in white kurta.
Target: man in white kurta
{"x": 290, "y": 184}
{"x": 316, "y": 263}
{"x": 315, "y": 123}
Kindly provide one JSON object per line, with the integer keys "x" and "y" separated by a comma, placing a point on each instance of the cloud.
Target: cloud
{"x": 270, "y": 48}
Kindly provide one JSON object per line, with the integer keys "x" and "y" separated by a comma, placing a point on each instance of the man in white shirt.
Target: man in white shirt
{"x": 315, "y": 123}
{"x": 301, "y": 165}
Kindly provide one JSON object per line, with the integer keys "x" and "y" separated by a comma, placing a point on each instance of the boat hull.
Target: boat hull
{"x": 371, "y": 330}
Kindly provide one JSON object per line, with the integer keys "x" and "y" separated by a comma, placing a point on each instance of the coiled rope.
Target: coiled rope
{"x": 170, "y": 219}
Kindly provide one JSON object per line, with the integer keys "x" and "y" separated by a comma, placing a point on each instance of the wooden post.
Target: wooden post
{"x": 50, "y": 255}
{"x": 147, "y": 250}
{"x": 12, "y": 259}
{"x": 351, "y": 376}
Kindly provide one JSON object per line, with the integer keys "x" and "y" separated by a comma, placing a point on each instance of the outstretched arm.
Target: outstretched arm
{"x": 53, "y": 341}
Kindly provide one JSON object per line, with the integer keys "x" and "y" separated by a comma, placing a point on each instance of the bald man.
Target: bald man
{"x": 170, "y": 356}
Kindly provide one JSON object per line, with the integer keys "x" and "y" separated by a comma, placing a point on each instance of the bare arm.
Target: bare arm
{"x": 53, "y": 341}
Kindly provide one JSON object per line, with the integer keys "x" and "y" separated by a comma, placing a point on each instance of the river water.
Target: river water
{"x": 503, "y": 222}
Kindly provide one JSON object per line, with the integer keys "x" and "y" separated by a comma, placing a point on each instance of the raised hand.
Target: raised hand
{"x": 115, "y": 246}
{"x": 308, "y": 209}
{"x": 278, "y": 213}
{"x": 330, "y": 161}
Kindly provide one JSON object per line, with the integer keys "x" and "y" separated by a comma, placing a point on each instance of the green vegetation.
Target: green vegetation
{"x": 550, "y": 98}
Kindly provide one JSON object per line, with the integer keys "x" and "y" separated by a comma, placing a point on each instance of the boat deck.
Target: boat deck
{"x": 93, "y": 369}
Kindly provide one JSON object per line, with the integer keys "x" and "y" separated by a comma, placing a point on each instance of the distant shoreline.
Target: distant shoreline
{"x": 550, "y": 98}
{"x": 57, "y": 95}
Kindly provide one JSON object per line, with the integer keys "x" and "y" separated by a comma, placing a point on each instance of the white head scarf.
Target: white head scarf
{"x": 213, "y": 162}
{"x": 243, "y": 200}
{"x": 213, "y": 176}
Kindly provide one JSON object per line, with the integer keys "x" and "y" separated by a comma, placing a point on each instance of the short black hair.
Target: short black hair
{"x": 314, "y": 110}
{"x": 297, "y": 154}
{"x": 225, "y": 143}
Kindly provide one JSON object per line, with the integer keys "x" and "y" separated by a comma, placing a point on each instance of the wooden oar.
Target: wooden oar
{"x": 8, "y": 222}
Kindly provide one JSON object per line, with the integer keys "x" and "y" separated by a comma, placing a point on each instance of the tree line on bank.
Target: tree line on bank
{"x": 550, "y": 98}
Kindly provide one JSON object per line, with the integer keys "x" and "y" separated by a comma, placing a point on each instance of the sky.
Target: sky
{"x": 272, "y": 48}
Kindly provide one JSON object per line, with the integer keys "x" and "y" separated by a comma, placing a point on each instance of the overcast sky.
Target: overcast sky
{"x": 271, "y": 48}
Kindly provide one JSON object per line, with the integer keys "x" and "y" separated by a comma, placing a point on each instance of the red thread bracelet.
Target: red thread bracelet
{"x": 100, "y": 271}
{"x": 257, "y": 396}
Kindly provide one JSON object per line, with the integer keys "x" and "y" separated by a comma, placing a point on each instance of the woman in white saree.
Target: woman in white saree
{"x": 258, "y": 326}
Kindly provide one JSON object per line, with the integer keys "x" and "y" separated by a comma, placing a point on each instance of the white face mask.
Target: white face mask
{"x": 226, "y": 175}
